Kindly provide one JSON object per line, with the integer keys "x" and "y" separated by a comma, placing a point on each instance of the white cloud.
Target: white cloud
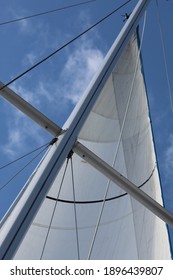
{"x": 168, "y": 162}
{"x": 47, "y": 91}
{"x": 43, "y": 92}
{"x": 79, "y": 69}
{"x": 25, "y": 93}
{"x": 30, "y": 58}
{"x": 14, "y": 138}
{"x": 21, "y": 131}
{"x": 24, "y": 25}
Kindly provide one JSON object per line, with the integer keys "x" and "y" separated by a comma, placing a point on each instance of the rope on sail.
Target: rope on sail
{"x": 14, "y": 176}
{"x": 54, "y": 209}
{"x": 164, "y": 57}
{"x": 45, "y": 12}
{"x": 119, "y": 140}
{"x": 75, "y": 209}
{"x": 62, "y": 47}
{"x": 101, "y": 200}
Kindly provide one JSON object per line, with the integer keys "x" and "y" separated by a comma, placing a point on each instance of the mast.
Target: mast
{"x": 29, "y": 201}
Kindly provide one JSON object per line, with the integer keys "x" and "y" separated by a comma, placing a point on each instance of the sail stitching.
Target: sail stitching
{"x": 82, "y": 227}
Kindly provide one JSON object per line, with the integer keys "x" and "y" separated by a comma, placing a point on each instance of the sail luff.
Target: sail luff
{"x": 17, "y": 223}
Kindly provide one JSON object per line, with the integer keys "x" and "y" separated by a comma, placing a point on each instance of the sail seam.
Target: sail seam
{"x": 82, "y": 227}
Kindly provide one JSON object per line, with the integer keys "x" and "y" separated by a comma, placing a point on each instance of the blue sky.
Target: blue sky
{"x": 55, "y": 86}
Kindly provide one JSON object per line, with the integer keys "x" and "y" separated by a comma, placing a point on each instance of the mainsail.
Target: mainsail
{"x": 87, "y": 216}
{"x": 129, "y": 150}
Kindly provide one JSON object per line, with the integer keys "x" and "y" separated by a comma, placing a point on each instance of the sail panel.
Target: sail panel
{"x": 117, "y": 130}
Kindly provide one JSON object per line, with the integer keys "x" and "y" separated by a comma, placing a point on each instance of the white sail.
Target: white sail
{"x": 73, "y": 221}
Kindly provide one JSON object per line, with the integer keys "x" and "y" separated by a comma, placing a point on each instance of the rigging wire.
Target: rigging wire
{"x": 14, "y": 176}
{"x": 164, "y": 57}
{"x": 25, "y": 155}
{"x": 75, "y": 209}
{"x": 54, "y": 209}
{"x": 45, "y": 13}
{"x": 63, "y": 46}
{"x": 119, "y": 141}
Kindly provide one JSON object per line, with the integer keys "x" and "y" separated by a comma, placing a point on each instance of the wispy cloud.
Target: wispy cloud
{"x": 21, "y": 133}
{"x": 26, "y": 93}
{"x": 168, "y": 162}
{"x": 79, "y": 69}
{"x": 39, "y": 94}
{"x": 24, "y": 25}
{"x": 30, "y": 58}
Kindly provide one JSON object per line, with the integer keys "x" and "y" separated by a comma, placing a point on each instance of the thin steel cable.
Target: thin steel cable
{"x": 54, "y": 209}
{"x": 62, "y": 47}
{"x": 25, "y": 155}
{"x": 14, "y": 176}
{"x": 75, "y": 210}
{"x": 118, "y": 145}
{"x": 164, "y": 57}
{"x": 45, "y": 13}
